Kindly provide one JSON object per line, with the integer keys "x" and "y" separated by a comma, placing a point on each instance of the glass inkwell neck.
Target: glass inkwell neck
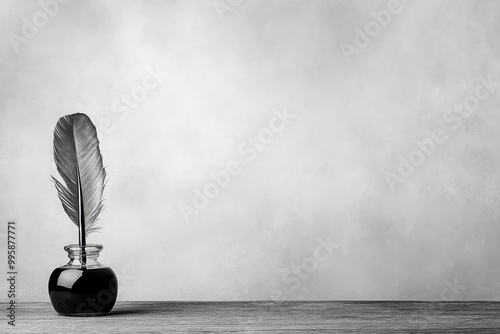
{"x": 83, "y": 255}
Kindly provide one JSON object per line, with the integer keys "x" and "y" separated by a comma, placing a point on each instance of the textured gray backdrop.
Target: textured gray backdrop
{"x": 378, "y": 179}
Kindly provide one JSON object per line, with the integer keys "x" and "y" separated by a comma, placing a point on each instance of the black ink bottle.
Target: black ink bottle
{"x": 83, "y": 287}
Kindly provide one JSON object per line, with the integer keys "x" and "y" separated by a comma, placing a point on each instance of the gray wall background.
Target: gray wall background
{"x": 321, "y": 179}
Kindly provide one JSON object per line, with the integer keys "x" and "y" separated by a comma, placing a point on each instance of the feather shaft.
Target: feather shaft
{"x": 81, "y": 219}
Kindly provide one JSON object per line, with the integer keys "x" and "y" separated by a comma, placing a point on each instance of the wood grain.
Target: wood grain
{"x": 267, "y": 317}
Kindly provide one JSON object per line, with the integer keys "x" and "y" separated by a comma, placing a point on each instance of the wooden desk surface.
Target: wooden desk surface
{"x": 266, "y": 317}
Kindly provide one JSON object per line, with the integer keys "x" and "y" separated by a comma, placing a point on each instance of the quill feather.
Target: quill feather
{"x": 79, "y": 162}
